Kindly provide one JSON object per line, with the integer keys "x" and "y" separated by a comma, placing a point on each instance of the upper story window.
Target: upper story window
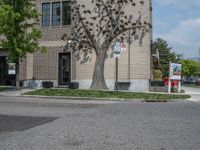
{"x": 46, "y": 14}
{"x": 66, "y": 13}
{"x": 56, "y": 13}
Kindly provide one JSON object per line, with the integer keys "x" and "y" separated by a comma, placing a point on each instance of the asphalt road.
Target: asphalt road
{"x": 88, "y": 125}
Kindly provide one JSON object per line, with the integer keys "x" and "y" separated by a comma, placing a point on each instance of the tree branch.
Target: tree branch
{"x": 122, "y": 31}
{"x": 109, "y": 14}
{"x": 115, "y": 28}
{"x": 93, "y": 41}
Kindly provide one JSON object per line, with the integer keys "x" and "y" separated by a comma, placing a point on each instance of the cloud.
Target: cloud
{"x": 184, "y": 38}
{"x": 179, "y": 3}
{"x": 160, "y": 23}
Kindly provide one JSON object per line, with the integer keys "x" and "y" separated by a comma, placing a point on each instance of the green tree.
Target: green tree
{"x": 19, "y": 25}
{"x": 165, "y": 55}
{"x": 190, "y": 68}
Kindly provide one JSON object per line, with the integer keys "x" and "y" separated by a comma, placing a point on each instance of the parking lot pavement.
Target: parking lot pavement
{"x": 109, "y": 126}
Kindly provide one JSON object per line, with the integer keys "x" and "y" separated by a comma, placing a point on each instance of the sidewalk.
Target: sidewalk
{"x": 194, "y": 92}
{"x": 13, "y": 92}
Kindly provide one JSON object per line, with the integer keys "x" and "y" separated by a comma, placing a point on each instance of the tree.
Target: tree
{"x": 19, "y": 25}
{"x": 190, "y": 68}
{"x": 97, "y": 27}
{"x": 165, "y": 55}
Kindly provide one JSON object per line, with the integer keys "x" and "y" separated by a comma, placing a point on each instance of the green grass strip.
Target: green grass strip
{"x": 2, "y": 89}
{"x": 104, "y": 94}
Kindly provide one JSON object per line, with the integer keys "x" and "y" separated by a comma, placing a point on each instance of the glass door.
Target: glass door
{"x": 64, "y": 68}
{"x": 1, "y": 72}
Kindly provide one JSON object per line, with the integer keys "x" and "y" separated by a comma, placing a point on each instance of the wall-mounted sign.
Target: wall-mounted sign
{"x": 175, "y": 71}
{"x": 11, "y": 68}
{"x": 117, "y": 50}
{"x": 123, "y": 47}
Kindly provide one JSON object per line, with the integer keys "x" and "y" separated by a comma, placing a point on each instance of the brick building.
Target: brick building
{"x": 62, "y": 67}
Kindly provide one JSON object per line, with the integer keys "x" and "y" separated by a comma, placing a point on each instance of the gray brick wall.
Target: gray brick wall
{"x": 45, "y": 65}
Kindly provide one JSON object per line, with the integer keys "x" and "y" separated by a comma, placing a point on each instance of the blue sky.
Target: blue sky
{"x": 178, "y": 22}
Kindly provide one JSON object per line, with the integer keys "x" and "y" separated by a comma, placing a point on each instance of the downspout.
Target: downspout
{"x": 151, "y": 40}
{"x": 129, "y": 56}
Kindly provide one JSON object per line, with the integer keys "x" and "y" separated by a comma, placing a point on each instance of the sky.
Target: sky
{"x": 178, "y": 22}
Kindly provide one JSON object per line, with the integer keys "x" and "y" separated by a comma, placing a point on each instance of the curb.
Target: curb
{"x": 81, "y": 98}
{"x": 192, "y": 100}
{"x": 96, "y": 99}
{"x": 104, "y": 99}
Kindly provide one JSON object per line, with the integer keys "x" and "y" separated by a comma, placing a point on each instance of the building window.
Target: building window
{"x": 56, "y": 14}
{"x": 66, "y": 13}
{"x": 46, "y": 14}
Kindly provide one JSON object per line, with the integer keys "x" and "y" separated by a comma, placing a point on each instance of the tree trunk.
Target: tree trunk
{"x": 98, "y": 81}
{"x": 17, "y": 76}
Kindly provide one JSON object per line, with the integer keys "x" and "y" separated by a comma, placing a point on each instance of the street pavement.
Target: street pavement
{"x": 52, "y": 124}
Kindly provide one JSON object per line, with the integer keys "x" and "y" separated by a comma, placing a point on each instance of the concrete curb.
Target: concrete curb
{"x": 40, "y": 100}
{"x": 81, "y": 98}
{"x": 101, "y": 99}
{"x": 56, "y": 100}
{"x": 90, "y": 99}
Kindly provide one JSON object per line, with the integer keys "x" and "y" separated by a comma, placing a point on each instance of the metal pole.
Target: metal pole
{"x": 179, "y": 86}
{"x": 116, "y": 83}
{"x": 169, "y": 80}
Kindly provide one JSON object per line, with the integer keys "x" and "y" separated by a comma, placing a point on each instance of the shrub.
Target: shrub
{"x": 157, "y": 75}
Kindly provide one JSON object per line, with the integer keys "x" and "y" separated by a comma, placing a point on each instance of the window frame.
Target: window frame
{"x": 70, "y": 15}
{"x": 49, "y": 16}
{"x": 52, "y": 14}
{"x": 61, "y": 14}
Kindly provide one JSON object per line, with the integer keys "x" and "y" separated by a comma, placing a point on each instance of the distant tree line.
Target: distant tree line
{"x": 190, "y": 68}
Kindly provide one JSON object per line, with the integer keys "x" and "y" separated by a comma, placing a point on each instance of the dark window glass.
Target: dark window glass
{"x": 46, "y": 14}
{"x": 66, "y": 13}
{"x": 56, "y": 14}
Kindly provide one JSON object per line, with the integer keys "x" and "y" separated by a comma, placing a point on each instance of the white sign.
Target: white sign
{"x": 11, "y": 68}
{"x": 123, "y": 47}
{"x": 117, "y": 49}
{"x": 175, "y": 71}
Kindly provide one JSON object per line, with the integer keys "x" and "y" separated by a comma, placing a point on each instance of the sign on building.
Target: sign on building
{"x": 117, "y": 50}
{"x": 123, "y": 47}
{"x": 11, "y": 68}
{"x": 175, "y": 71}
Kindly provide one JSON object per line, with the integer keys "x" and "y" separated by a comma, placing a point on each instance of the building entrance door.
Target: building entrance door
{"x": 6, "y": 77}
{"x": 64, "y": 68}
{"x": 1, "y": 72}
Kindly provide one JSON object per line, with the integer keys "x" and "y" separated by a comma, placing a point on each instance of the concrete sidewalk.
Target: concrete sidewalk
{"x": 13, "y": 92}
{"x": 194, "y": 92}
